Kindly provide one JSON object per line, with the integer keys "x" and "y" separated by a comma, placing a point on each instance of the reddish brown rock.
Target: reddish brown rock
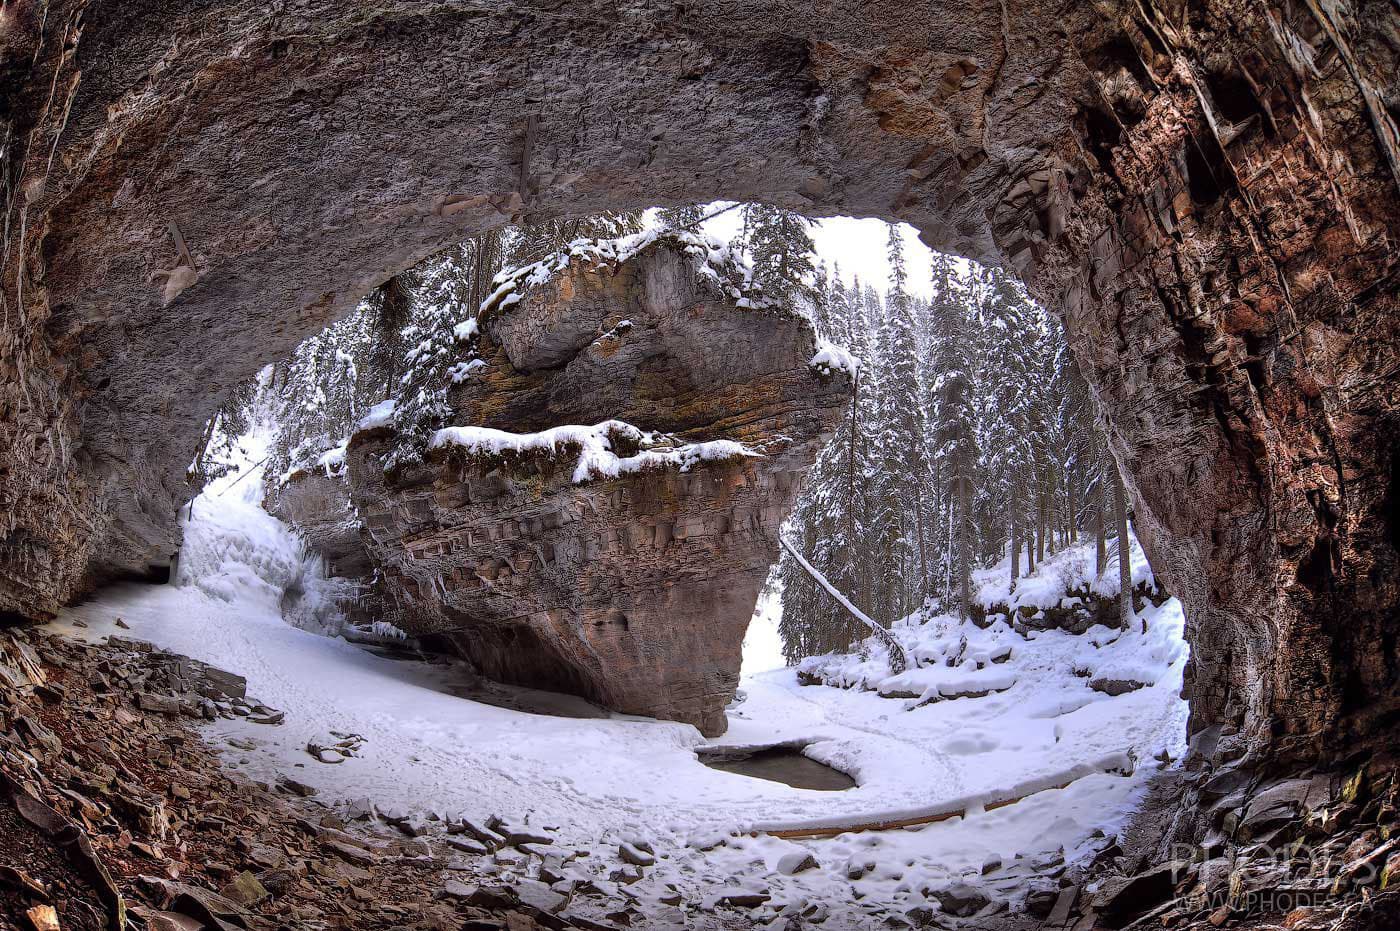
{"x": 601, "y": 561}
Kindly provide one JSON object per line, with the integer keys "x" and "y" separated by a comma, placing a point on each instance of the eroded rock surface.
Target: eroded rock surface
{"x": 1208, "y": 193}
{"x": 618, "y": 563}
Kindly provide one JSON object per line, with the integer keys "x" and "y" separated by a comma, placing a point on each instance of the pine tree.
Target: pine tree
{"x": 826, "y": 525}
{"x": 779, "y": 242}
{"x": 905, "y": 473}
{"x": 954, "y": 427}
{"x": 1008, "y": 377}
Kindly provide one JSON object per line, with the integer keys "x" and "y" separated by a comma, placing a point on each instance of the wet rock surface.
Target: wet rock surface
{"x": 631, "y": 583}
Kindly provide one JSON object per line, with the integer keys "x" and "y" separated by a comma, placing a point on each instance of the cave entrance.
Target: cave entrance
{"x": 979, "y": 136}
{"x": 1207, "y": 201}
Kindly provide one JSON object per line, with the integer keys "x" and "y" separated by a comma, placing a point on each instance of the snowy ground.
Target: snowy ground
{"x": 595, "y": 783}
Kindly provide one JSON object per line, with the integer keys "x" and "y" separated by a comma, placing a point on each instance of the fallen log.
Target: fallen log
{"x": 899, "y": 661}
{"x": 1114, "y": 764}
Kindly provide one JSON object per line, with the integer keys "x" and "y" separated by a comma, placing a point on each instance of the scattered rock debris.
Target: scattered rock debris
{"x": 115, "y": 814}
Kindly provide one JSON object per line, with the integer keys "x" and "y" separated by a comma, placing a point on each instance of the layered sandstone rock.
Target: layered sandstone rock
{"x": 553, "y": 542}
{"x": 1209, "y": 192}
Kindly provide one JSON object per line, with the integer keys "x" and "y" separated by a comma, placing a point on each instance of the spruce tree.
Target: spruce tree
{"x": 779, "y": 242}
{"x": 954, "y": 429}
{"x": 903, "y": 428}
{"x": 1009, "y": 379}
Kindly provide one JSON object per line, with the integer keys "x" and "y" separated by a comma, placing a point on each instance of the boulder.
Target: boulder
{"x": 245, "y": 889}
{"x": 1120, "y": 900}
{"x": 798, "y": 861}
{"x": 603, "y": 520}
{"x": 1115, "y": 687}
{"x": 634, "y": 855}
{"x": 961, "y": 900}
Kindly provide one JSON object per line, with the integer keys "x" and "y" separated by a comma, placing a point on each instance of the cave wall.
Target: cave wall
{"x": 1207, "y": 191}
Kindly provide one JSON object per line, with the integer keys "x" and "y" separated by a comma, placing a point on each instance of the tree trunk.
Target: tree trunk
{"x": 1125, "y": 552}
{"x": 965, "y": 543}
{"x": 1015, "y": 540}
{"x": 1100, "y": 547}
{"x": 1041, "y": 522}
{"x": 1071, "y": 518}
{"x": 1030, "y": 540}
{"x": 952, "y": 553}
{"x": 923, "y": 544}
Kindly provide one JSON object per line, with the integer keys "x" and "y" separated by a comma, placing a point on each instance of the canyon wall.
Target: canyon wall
{"x": 1206, "y": 191}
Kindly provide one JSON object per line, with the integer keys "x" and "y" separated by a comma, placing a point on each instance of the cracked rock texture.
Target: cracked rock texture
{"x": 633, "y": 589}
{"x": 1207, "y": 192}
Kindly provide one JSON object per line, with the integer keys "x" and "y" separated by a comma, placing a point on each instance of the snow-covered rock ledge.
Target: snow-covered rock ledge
{"x": 605, "y": 450}
{"x": 713, "y": 260}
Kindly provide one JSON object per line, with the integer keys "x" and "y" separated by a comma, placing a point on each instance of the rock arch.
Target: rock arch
{"x": 1207, "y": 191}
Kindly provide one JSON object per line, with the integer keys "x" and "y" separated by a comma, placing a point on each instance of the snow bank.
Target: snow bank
{"x": 1058, "y": 576}
{"x": 952, "y": 659}
{"x": 380, "y": 415}
{"x": 596, "y": 445}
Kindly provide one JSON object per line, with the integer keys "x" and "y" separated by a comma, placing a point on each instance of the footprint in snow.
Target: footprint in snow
{"x": 970, "y": 745}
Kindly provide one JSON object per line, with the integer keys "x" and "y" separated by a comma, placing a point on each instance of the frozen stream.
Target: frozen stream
{"x": 593, "y": 782}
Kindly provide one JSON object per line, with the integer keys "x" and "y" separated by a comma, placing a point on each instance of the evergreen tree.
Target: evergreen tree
{"x": 780, "y": 245}
{"x": 905, "y": 473}
{"x": 954, "y": 432}
{"x": 1010, "y": 388}
{"x": 826, "y": 525}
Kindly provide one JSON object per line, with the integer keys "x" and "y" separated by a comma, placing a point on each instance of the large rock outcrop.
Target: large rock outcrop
{"x": 316, "y": 501}
{"x": 553, "y": 542}
{"x": 1209, "y": 192}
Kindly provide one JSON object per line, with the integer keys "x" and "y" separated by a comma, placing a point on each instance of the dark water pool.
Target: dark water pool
{"x": 785, "y": 764}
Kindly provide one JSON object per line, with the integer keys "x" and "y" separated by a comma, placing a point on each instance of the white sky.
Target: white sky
{"x": 857, "y": 246}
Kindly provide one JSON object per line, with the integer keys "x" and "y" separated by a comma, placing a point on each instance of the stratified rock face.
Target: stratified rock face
{"x": 596, "y": 559}
{"x": 1208, "y": 192}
